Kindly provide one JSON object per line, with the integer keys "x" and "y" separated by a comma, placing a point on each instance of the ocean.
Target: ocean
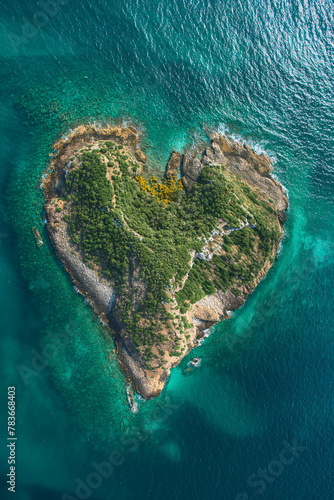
{"x": 255, "y": 419}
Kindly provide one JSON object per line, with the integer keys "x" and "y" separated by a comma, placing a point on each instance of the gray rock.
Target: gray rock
{"x": 191, "y": 169}
{"x": 173, "y": 164}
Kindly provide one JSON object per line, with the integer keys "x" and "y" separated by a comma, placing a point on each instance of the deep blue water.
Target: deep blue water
{"x": 260, "y": 71}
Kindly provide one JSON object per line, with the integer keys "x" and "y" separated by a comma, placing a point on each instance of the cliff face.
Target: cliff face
{"x": 182, "y": 318}
{"x": 255, "y": 170}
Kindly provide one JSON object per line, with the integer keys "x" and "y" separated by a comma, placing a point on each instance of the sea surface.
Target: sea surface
{"x": 255, "y": 419}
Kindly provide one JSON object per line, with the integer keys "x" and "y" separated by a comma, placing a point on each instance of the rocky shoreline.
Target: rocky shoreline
{"x": 239, "y": 160}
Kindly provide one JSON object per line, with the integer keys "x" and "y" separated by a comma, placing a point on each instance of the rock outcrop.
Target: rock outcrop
{"x": 253, "y": 168}
{"x": 173, "y": 164}
{"x": 191, "y": 169}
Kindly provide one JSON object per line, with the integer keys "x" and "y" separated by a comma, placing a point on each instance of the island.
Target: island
{"x": 161, "y": 260}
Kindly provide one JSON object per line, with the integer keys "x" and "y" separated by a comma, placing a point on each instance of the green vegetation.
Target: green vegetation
{"x": 143, "y": 235}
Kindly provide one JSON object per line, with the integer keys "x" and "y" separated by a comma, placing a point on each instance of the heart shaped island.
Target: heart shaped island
{"x": 161, "y": 260}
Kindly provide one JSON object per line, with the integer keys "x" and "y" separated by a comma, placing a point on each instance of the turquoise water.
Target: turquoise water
{"x": 260, "y": 71}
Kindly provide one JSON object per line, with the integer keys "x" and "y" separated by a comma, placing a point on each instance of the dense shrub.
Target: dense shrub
{"x": 134, "y": 225}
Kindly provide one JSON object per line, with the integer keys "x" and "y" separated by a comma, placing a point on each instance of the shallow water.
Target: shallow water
{"x": 261, "y": 72}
